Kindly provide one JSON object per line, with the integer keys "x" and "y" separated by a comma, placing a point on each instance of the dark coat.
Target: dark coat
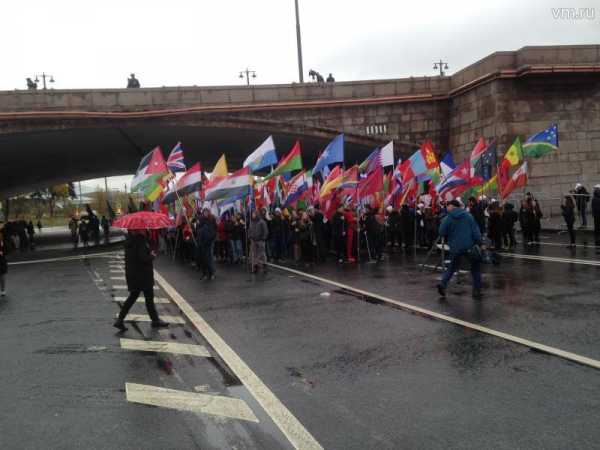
{"x": 596, "y": 204}
{"x": 3, "y": 263}
{"x": 139, "y": 271}
{"x": 460, "y": 230}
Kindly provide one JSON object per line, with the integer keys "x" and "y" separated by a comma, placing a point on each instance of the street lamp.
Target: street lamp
{"x": 441, "y": 65}
{"x": 44, "y": 76}
{"x": 248, "y": 73}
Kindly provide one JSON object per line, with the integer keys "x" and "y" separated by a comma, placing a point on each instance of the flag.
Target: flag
{"x": 541, "y": 143}
{"x": 150, "y": 178}
{"x": 332, "y": 182}
{"x": 490, "y": 186}
{"x": 447, "y": 164}
{"x": 372, "y": 161}
{"x": 297, "y": 187}
{"x": 372, "y": 184}
{"x": 486, "y": 161}
{"x": 514, "y": 155}
{"x": 263, "y": 156}
{"x": 387, "y": 154}
{"x": 220, "y": 170}
{"x": 477, "y": 152}
{"x": 424, "y": 163}
{"x": 458, "y": 181}
{"x": 238, "y": 183}
{"x": 519, "y": 179}
{"x": 333, "y": 153}
{"x": 290, "y": 162}
{"x": 175, "y": 161}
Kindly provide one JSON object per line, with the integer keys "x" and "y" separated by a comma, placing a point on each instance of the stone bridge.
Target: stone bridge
{"x": 57, "y": 135}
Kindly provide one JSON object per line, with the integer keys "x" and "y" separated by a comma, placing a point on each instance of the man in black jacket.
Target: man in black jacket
{"x": 338, "y": 233}
{"x": 596, "y": 213}
{"x": 139, "y": 273}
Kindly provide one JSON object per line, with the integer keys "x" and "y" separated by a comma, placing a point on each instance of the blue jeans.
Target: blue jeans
{"x": 454, "y": 265}
{"x": 236, "y": 250}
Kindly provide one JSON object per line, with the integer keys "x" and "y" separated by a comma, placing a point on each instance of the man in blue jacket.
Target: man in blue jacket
{"x": 461, "y": 233}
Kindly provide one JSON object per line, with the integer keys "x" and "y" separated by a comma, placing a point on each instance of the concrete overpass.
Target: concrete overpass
{"x": 57, "y": 135}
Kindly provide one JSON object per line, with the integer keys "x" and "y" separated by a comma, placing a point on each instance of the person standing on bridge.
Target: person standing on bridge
{"x": 133, "y": 82}
{"x": 463, "y": 235}
{"x": 139, "y": 273}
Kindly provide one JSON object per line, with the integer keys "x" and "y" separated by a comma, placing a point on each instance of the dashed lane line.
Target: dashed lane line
{"x": 289, "y": 425}
{"x": 164, "y": 347}
{"x": 145, "y": 318}
{"x": 584, "y": 262}
{"x": 463, "y": 323}
{"x": 189, "y": 401}
{"x": 157, "y": 300}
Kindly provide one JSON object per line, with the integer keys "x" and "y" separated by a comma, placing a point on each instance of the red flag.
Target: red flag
{"x": 372, "y": 184}
{"x": 519, "y": 179}
{"x": 431, "y": 161}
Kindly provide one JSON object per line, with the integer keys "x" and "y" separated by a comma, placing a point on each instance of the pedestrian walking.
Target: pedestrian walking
{"x": 74, "y": 229}
{"x": 105, "y": 228}
{"x": 84, "y": 233}
{"x": 139, "y": 273}
{"x": 308, "y": 243}
{"x": 463, "y": 236}
{"x": 207, "y": 235}
{"x": 338, "y": 233}
{"x": 568, "y": 212}
{"x": 39, "y": 225}
{"x": 596, "y": 213}
{"x": 3, "y": 265}
{"x": 258, "y": 234}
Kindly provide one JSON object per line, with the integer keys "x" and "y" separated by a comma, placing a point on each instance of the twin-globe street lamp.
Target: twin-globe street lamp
{"x": 44, "y": 76}
{"x": 248, "y": 73}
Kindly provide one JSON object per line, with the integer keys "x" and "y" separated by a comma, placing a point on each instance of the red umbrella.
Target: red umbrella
{"x": 143, "y": 220}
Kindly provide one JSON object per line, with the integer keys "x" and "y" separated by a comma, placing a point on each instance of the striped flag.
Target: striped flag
{"x": 176, "y": 162}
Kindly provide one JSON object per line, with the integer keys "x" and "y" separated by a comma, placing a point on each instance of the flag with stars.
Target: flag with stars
{"x": 541, "y": 143}
{"x": 175, "y": 161}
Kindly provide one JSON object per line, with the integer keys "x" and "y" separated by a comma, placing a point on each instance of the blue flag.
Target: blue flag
{"x": 333, "y": 153}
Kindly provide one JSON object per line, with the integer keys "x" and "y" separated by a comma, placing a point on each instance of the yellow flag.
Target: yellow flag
{"x": 514, "y": 154}
{"x": 220, "y": 169}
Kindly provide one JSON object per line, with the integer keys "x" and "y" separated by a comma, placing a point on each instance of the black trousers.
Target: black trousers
{"x": 509, "y": 238}
{"x": 133, "y": 296}
{"x": 597, "y": 229}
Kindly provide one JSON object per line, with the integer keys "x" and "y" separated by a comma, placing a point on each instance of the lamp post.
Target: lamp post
{"x": 299, "y": 44}
{"x": 248, "y": 73}
{"x": 441, "y": 65}
{"x": 44, "y": 76}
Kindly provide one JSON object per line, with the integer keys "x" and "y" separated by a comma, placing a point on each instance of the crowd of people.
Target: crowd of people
{"x": 306, "y": 237}
{"x": 19, "y": 235}
{"x": 86, "y": 229}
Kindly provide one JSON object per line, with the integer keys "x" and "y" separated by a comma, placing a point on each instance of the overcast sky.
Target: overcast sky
{"x": 87, "y": 44}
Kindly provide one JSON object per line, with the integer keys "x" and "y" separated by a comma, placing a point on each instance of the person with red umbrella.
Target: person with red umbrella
{"x": 139, "y": 268}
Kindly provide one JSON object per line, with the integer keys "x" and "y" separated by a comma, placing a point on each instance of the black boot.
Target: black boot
{"x": 441, "y": 290}
{"x": 120, "y": 325}
{"x": 159, "y": 324}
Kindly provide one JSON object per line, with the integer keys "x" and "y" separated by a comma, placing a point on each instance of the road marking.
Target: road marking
{"x": 146, "y": 318}
{"x": 157, "y": 300}
{"x": 215, "y": 405}
{"x": 118, "y": 278}
{"x": 289, "y": 425}
{"x": 584, "y": 262}
{"x": 62, "y": 258}
{"x": 473, "y": 326}
{"x": 117, "y": 271}
{"x": 590, "y": 246}
{"x": 164, "y": 347}
{"x": 122, "y": 286}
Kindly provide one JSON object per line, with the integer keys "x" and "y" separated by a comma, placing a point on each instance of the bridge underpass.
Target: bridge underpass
{"x": 67, "y": 150}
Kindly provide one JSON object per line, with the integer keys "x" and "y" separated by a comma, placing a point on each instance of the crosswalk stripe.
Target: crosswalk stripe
{"x": 117, "y": 271}
{"x": 157, "y": 300}
{"x": 122, "y": 286}
{"x": 164, "y": 347}
{"x": 189, "y": 401}
{"x": 118, "y": 278}
{"x": 146, "y": 318}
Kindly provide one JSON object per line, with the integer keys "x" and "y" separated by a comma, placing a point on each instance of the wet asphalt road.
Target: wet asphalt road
{"x": 357, "y": 374}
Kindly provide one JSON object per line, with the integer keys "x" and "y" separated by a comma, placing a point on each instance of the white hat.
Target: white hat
{"x": 578, "y": 185}
{"x": 597, "y": 186}
{"x": 389, "y": 208}
{"x": 278, "y": 210}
